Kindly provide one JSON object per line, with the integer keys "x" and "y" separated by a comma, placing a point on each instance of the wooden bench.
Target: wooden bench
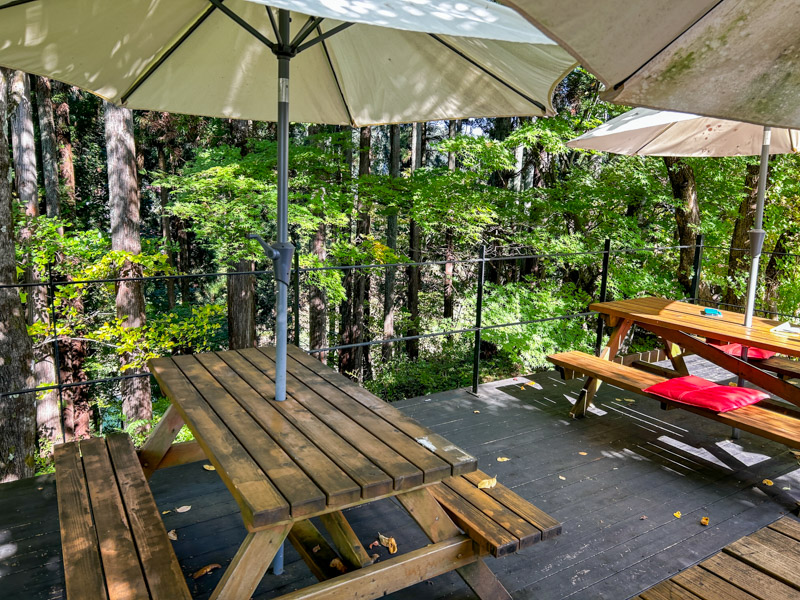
{"x": 113, "y": 542}
{"x": 497, "y": 519}
{"x": 765, "y": 418}
{"x": 784, "y": 367}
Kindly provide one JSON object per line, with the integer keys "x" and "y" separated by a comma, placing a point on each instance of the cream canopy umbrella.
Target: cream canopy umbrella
{"x": 732, "y": 59}
{"x": 357, "y": 62}
{"x": 647, "y": 132}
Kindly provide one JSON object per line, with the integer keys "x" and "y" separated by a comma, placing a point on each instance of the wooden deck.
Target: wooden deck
{"x": 762, "y": 566}
{"x": 616, "y": 501}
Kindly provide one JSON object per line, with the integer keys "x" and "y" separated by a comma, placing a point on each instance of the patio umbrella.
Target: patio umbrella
{"x": 732, "y": 59}
{"x": 647, "y": 132}
{"x": 355, "y": 62}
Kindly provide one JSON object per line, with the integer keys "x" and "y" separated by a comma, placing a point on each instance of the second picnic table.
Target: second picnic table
{"x": 329, "y": 446}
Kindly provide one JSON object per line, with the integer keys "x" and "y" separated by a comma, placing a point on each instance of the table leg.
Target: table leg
{"x": 160, "y": 440}
{"x": 609, "y": 352}
{"x": 675, "y": 355}
{"x": 247, "y": 568}
{"x": 438, "y": 526}
{"x": 345, "y": 539}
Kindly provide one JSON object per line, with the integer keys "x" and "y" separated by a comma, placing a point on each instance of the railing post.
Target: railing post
{"x": 698, "y": 265}
{"x": 603, "y": 291}
{"x": 296, "y": 295}
{"x": 476, "y": 357}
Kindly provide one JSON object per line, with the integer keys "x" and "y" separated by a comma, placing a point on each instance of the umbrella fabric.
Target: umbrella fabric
{"x": 647, "y": 132}
{"x": 731, "y": 59}
{"x": 400, "y": 62}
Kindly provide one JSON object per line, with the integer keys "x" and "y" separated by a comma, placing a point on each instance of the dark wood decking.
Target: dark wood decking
{"x": 639, "y": 462}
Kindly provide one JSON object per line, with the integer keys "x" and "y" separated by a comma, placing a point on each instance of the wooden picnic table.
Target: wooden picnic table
{"x": 329, "y": 446}
{"x": 683, "y": 327}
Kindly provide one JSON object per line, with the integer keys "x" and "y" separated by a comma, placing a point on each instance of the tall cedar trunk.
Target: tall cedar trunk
{"x": 414, "y": 251}
{"x": 166, "y": 229}
{"x": 48, "y": 415}
{"x": 123, "y": 192}
{"x": 17, "y": 412}
{"x": 363, "y": 279}
{"x": 347, "y": 355}
{"x": 449, "y": 250}
{"x": 184, "y": 254}
{"x": 687, "y": 215}
{"x": 242, "y": 307}
{"x": 774, "y": 273}
{"x": 317, "y": 300}
{"x": 47, "y": 134}
{"x": 66, "y": 165}
{"x": 391, "y": 242}
{"x": 739, "y": 255}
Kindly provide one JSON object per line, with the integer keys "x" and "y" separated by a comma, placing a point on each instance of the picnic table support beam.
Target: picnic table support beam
{"x": 345, "y": 539}
{"x": 675, "y": 355}
{"x": 160, "y": 440}
{"x": 314, "y": 550}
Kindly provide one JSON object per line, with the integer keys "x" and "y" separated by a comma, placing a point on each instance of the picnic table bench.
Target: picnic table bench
{"x": 329, "y": 446}
{"x": 114, "y": 544}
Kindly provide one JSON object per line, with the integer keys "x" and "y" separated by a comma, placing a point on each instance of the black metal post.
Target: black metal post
{"x": 603, "y": 291}
{"x": 698, "y": 265}
{"x": 56, "y": 353}
{"x": 476, "y": 357}
{"x": 296, "y": 295}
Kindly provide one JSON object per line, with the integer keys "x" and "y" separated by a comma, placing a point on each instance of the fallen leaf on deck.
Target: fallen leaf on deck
{"x": 375, "y": 557}
{"x": 373, "y": 544}
{"x": 583, "y": 453}
{"x": 503, "y": 459}
{"x": 205, "y": 570}
{"x": 562, "y": 478}
{"x": 677, "y": 514}
{"x": 629, "y": 400}
{"x": 643, "y": 518}
{"x": 172, "y": 534}
{"x": 522, "y": 387}
{"x": 786, "y": 487}
{"x": 209, "y": 467}
{"x": 388, "y": 542}
{"x": 732, "y": 383}
{"x": 165, "y": 512}
{"x": 531, "y": 383}
{"x": 476, "y": 412}
{"x": 487, "y": 484}
{"x": 795, "y": 453}
{"x": 315, "y": 549}
{"x": 183, "y": 509}
{"x": 337, "y": 564}
{"x": 704, "y": 521}
{"x": 767, "y": 482}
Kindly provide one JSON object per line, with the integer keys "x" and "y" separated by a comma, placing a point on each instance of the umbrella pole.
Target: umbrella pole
{"x": 757, "y": 233}
{"x": 282, "y": 276}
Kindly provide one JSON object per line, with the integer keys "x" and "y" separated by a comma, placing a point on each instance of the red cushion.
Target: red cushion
{"x": 736, "y": 350}
{"x": 697, "y": 391}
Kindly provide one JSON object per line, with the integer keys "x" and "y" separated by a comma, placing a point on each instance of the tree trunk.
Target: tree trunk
{"x": 242, "y": 307}
{"x": 415, "y": 253}
{"x": 347, "y": 356}
{"x": 123, "y": 192}
{"x": 48, "y": 415}
{"x": 317, "y": 301}
{"x": 449, "y": 251}
{"x": 774, "y": 272}
{"x": 184, "y": 254}
{"x": 47, "y": 133}
{"x": 739, "y": 255}
{"x": 363, "y": 282}
{"x": 18, "y": 411}
{"x": 166, "y": 229}
{"x": 391, "y": 242}
{"x": 687, "y": 216}
{"x": 66, "y": 165}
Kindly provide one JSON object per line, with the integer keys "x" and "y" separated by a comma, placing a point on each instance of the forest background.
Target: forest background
{"x": 157, "y": 206}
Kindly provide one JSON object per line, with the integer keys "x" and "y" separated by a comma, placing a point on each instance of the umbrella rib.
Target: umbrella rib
{"x": 336, "y": 78}
{"x": 308, "y": 27}
{"x": 245, "y": 25}
{"x": 536, "y": 103}
{"x": 161, "y": 59}
{"x": 274, "y": 24}
{"x": 653, "y": 137}
{"x": 14, "y": 3}
{"x": 324, "y": 36}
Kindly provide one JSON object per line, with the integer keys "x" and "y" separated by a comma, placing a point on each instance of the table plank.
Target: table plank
{"x": 404, "y": 474}
{"x": 432, "y": 467}
{"x": 460, "y": 461}
{"x": 303, "y": 496}
{"x": 338, "y": 487}
{"x": 259, "y": 501}
{"x": 373, "y": 481}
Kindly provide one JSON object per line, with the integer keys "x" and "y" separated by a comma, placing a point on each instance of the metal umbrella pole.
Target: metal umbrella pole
{"x": 757, "y": 233}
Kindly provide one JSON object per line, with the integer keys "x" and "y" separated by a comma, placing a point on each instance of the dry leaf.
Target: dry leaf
{"x": 165, "y": 512}
{"x": 704, "y": 521}
{"x": 315, "y": 549}
{"x": 205, "y": 570}
{"x": 503, "y": 459}
{"x": 643, "y": 518}
{"x": 172, "y": 534}
{"x": 487, "y": 484}
{"x": 337, "y": 564}
{"x": 732, "y": 383}
{"x": 522, "y": 387}
{"x": 629, "y": 400}
{"x": 795, "y": 453}
{"x": 373, "y": 544}
{"x": 183, "y": 509}
{"x": 583, "y": 453}
{"x": 677, "y": 514}
{"x": 375, "y": 557}
{"x": 476, "y": 412}
{"x": 209, "y": 467}
{"x": 531, "y": 383}
{"x": 767, "y": 482}
{"x": 786, "y": 487}
{"x": 562, "y": 478}
{"x": 388, "y": 542}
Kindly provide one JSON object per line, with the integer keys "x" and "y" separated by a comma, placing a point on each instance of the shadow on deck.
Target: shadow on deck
{"x": 614, "y": 479}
